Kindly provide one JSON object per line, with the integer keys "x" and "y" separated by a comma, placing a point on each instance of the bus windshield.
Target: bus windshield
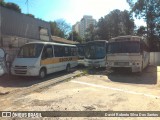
{"x": 81, "y": 50}
{"x": 95, "y": 50}
{"x": 30, "y": 51}
{"x": 124, "y": 47}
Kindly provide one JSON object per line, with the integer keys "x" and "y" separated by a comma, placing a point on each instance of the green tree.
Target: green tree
{"x": 127, "y": 22}
{"x": 31, "y": 15}
{"x": 13, "y": 6}
{"x": 103, "y": 28}
{"x": 55, "y": 30}
{"x": 64, "y": 27}
{"x": 2, "y": 3}
{"x": 75, "y": 37}
{"x": 149, "y": 10}
{"x": 90, "y": 33}
{"x": 114, "y": 24}
{"x": 141, "y": 31}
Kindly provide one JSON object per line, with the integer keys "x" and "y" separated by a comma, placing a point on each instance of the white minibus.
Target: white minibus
{"x": 42, "y": 58}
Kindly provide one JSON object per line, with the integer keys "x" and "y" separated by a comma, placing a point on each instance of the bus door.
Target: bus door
{"x": 47, "y": 58}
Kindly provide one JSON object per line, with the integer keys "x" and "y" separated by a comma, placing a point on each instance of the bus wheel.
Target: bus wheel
{"x": 42, "y": 73}
{"x": 68, "y": 68}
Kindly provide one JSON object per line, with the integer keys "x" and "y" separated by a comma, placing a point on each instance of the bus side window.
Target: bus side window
{"x": 71, "y": 51}
{"x": 47, "y": 52}
{"x": 66, "y": 51}
{"x": 74, "y": 51}
{"x": 58, "y": 51}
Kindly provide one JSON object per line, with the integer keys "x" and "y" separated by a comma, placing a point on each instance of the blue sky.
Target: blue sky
{"x": 71, "y": 10}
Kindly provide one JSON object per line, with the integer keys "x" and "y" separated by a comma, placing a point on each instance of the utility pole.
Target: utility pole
{"x": 27, "y": 6}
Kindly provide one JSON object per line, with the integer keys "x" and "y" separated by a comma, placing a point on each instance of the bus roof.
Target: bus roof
{"x": 127, "y": 36}
{"x": 52, "y": 43}
{"x": 98, "y": 41}
{"x": 80, "y": 44}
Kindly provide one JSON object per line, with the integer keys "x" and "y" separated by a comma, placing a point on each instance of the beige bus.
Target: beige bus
{"x": 128, "y": 52}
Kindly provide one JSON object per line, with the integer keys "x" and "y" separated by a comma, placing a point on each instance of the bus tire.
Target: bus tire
{"x": 68, "y": 68}
{"x": 42, "y": 73}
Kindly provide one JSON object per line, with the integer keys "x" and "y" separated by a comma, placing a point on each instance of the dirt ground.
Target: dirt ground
{"x": 97, "y": 91}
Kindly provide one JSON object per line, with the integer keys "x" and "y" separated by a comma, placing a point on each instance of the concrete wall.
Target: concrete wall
{"x": 18, "y": 24}
{"x": 155, "y": 58}
{"x": 11, "y": 44}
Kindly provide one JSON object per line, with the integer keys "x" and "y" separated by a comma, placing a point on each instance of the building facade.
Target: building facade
{"x": 76, "y": 27}
{"x": 81, "y": 27}
{"x": 16, "y": 29}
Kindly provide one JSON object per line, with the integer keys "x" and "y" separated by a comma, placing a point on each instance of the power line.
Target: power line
{"x": 27, "y": 6}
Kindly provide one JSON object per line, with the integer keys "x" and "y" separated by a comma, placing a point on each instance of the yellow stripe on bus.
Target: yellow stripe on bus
{"x": 58, "y": 60}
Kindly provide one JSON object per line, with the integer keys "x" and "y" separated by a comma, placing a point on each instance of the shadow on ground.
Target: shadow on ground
{"x": 148, "y": 76}
{"x": 20, "y": 81}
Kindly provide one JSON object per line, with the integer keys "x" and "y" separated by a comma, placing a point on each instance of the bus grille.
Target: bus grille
{"x": 121, "y": 64}
{"x": 20, "y": 69}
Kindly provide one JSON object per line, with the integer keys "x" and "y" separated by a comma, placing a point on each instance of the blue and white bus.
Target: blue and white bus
{"x": 96, "y": 53}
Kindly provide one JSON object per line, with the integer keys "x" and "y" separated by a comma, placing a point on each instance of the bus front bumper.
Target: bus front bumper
{"x": 25, "y": 72}
{"x": 134, "y": 66}
{"x": 81, "y": 62}
{"x": 95, "y": 63}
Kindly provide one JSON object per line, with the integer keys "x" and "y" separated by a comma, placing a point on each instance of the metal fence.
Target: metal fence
{"x": 154, "y": 58}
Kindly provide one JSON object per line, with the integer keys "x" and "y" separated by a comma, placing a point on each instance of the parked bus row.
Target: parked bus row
{"x": 121, "y": 52}
{"x": 42, "y": 58}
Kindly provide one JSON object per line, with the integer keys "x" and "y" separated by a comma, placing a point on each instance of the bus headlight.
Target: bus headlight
{"x": 135, "y": 63}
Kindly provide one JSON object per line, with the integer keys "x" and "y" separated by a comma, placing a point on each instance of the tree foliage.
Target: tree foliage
{"x": 114, "y": 24}
{"x": 149, "y": 10}
{"x": 11, "y": 6}
{"x": 141, "y": 31}
{"x": 75, "y": 37}
{"x": 91, "y": 33}
{"x": 30, "y": 15}
{"x": 55, "y": 30}
{"x": 2, "y": 3}
{"x": 63, "y": 26}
